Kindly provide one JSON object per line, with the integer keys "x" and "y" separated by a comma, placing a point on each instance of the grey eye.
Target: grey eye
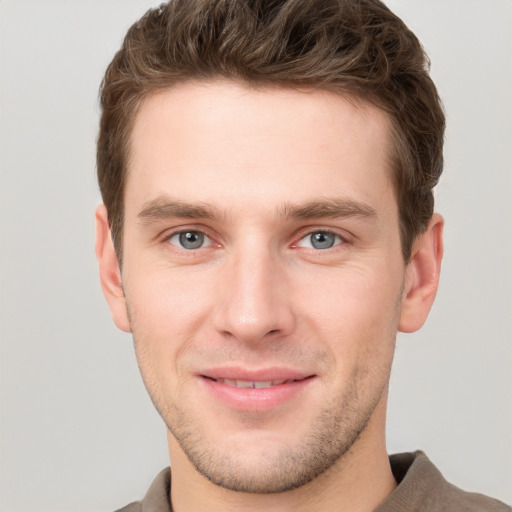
{"x": 320, "y": 240}
{"x": 189, "y": 240}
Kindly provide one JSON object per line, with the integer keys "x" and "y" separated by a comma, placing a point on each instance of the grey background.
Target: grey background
{"x": 77, "y": 431}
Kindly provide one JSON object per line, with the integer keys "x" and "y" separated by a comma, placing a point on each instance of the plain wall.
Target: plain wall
{"x": 77, "y": 430}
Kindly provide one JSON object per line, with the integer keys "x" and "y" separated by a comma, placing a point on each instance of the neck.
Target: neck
{"x": 358, "y": 482}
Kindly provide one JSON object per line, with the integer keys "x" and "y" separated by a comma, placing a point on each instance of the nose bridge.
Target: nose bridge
{"x": 255, "y": 302}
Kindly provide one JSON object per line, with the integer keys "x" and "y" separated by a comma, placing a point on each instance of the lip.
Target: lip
{"x": 261, "y": 374}
{"x": 287, "y": 385}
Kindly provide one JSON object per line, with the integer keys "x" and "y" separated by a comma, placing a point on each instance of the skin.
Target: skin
{"x": 257, "y": 172}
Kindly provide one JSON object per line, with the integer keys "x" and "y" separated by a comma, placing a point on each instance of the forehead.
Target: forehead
{"x": 223, "y": 142}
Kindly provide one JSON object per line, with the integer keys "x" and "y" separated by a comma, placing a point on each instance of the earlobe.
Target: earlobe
{"x": 422, "y": 276}
{"x": 110, "y": 273}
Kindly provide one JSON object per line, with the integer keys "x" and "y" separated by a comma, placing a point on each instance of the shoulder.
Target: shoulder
{"x": 422, "y": 488}
{"x": 136, "y": 506}
{"x": 157, "y": 498}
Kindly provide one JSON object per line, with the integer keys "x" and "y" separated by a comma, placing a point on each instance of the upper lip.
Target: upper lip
{"x": 254, "y": 375}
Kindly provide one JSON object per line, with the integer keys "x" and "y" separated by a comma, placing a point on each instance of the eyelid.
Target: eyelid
{"x": 177, "y": 230}
{"x": 206, "y": 240}
{"x": 306, "y": 231}
{"x": 338, "y": 239}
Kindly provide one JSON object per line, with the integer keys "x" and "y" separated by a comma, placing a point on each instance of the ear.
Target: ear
{"x": 110, "y": 272}
{"x": 422, "y": 276}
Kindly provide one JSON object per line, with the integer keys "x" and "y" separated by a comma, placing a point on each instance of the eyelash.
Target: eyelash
{"x": 180, "y": 232}
{"x": 339, "y": 239}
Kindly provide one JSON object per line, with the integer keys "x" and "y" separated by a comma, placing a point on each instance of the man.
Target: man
{"x": 267, "y": 172}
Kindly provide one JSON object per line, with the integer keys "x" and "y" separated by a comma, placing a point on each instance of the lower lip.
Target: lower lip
{"x": 256, "y": 400}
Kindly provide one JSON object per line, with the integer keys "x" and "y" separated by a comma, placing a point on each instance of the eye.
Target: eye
{"x": 189, "y": 240}
{"x": 320, "y": 240}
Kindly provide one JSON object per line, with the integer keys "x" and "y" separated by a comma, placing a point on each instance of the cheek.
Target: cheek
{"x": 166, "y": 299}
{"x": 349, "y": 294}
{"x": 167, "y": 312}
{"x": 355, "y": 311}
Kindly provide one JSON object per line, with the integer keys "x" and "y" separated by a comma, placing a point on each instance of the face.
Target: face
{"x": 262, "y": 277}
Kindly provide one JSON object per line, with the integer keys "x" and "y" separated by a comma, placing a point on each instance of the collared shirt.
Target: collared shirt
{"x": 421, "y": 488}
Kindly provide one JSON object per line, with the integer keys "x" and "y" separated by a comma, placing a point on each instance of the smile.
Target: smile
{"x": 255, "y": 393}
{"x": 253, "y": 384}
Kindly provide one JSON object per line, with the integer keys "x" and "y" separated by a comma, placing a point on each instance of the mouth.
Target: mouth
{"x": 252, "y": 383}
{"x": 256, "y": 391}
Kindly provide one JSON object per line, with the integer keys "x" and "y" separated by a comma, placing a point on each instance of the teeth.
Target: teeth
{"x": 252, "y": 384}
{"x": 244, "y": 384}
{"x": 259, "y": 385}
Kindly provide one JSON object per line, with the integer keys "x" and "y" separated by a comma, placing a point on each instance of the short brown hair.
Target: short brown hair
{"x": 354, "y": 47}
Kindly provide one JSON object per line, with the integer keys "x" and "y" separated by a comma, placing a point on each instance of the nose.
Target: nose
{"x": 254, "y": 303}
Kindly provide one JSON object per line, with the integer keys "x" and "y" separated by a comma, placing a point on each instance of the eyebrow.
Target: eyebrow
{"x": 328, "y": 208}
{"x": 163, "y": 208}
